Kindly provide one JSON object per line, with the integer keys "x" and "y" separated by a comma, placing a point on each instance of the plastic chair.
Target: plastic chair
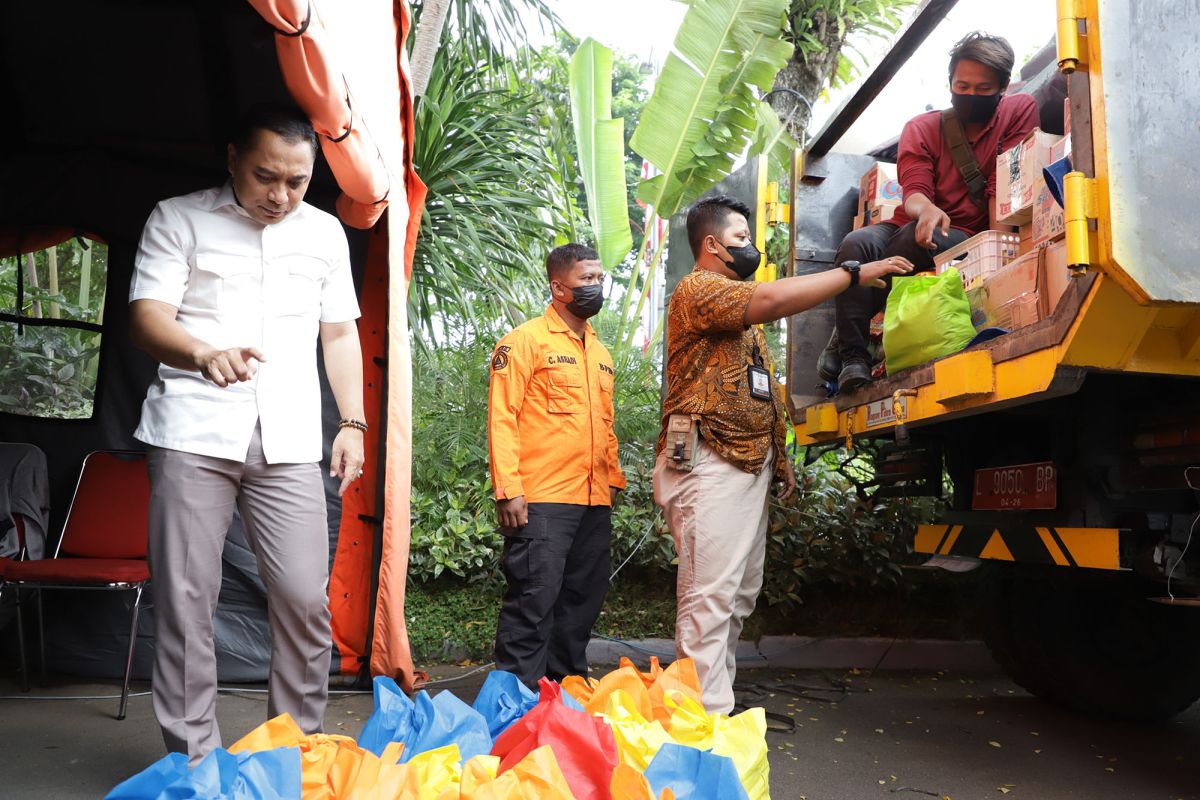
{"x": 103, "y": 545}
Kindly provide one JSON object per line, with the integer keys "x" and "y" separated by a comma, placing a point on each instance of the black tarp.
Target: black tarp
{"x": 111, "y": 106}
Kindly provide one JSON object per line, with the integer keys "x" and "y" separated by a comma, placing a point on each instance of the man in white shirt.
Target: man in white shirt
{"x": 232, "y": 288}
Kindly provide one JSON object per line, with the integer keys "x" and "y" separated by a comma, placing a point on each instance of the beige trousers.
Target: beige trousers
{"x": 192, "y": 498}
{"x": 717, "y": 514}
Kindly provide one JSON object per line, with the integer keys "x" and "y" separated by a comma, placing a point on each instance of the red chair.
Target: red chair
{"x": 103, "y": 545}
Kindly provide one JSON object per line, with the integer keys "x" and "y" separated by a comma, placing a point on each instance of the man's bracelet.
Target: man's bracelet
{"x": 358, "y": 425}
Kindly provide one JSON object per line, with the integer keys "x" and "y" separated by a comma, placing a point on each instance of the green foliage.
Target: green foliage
{"x": 641, "y": 540}
{"x": 49, "y": 371}
{"x": 813, "y": 24}
{"x": 490, "y": 216}
{"x": 551, "y": 77}
{"x": 453, "y": 511}
{"x": 829, "y": 537}
{"x": 452, "y": 621}
{"x": 453, "y": 514}
{"x": 600, "y": 141}
{"x": 703, "y": 109}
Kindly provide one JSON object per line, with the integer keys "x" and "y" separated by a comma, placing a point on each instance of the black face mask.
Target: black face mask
{"x": 745, "y": 259}
{"x": 976, "y": 108}
{"x": 586, "y": 301}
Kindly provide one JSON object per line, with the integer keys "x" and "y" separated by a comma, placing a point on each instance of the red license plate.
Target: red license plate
{"x": 1020, "y": 488}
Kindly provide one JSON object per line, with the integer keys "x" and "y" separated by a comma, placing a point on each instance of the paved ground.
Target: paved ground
{"x": 901, "y": 735}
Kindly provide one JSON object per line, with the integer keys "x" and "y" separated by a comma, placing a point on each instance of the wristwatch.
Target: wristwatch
{"x": 851, "y": 267}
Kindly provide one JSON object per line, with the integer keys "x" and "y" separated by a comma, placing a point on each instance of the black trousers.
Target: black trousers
{"x": 858, "y": 304}
{"x": 557, "y": 569}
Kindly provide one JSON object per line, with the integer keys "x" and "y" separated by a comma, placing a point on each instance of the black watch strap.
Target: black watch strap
{"x": 853, "y": 268}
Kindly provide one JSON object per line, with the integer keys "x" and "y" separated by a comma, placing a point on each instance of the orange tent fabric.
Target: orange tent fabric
{"x": 345, "y": 65}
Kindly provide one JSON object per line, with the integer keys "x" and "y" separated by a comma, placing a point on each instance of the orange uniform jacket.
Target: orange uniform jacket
{"x": 550, "y": 416}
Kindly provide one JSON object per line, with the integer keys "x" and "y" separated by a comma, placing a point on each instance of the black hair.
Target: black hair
{"x": 992, "y": 51}
{"x": 289, "y": 122}
{"x": 565, "y": 257}
{"x": 708, "y": 216}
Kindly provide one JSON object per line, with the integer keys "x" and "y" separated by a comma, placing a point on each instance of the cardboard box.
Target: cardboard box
{"x": 882, "y": 212}
{"x": 1019, "y": 278}
{"x": 1056, "y": 277}
{"x": 859, "y": 220}
{"x": 1017, "y": 313}
{"x": 1047, "y": 225}
{"x": 1025, "y": 242}
{"x": 879, "y": 186}
{"x": 1018, "y": 175}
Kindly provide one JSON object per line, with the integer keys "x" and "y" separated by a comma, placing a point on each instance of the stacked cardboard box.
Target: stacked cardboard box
{"x": 1023, "y": 292}
{"x": 1047, "y": 222}
{"x": 1019, "y": 174}
{"x": 879, "y": 195}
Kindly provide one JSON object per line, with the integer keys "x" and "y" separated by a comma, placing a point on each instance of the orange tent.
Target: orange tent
{"x": 132, "y": 108}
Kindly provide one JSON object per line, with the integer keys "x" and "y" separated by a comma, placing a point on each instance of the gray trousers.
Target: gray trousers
{"x": 192, "y": 498}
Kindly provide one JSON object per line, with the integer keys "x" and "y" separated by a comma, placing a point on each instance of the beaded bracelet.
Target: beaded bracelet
{"x": 358, "y": 425}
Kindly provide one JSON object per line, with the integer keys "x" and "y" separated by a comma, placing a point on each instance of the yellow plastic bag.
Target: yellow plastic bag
{"x": 638, "y": 739}
{"x": 535, "y": 777}
{"x": 432, "y": 775}
{"x": 742, "y": 738}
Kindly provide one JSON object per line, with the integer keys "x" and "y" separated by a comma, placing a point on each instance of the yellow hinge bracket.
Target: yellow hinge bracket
{"x": 965, "y": 376}
{"x": 822, "y": 418}
{"x": 1080, "y": 206}
{"x": 1072, "y": 30}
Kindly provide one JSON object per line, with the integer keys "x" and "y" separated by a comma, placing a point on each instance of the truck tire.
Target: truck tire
{"x": 1095, "y": 645}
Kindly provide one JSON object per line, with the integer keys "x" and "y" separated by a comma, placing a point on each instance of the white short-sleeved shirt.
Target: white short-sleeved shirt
{"x": 239, "y": 283}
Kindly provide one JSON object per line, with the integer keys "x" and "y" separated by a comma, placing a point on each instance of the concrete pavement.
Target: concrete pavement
{"x": 901, "y": 735}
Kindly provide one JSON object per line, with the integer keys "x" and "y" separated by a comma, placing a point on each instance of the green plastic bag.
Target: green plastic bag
{"x": 927, "y": 317}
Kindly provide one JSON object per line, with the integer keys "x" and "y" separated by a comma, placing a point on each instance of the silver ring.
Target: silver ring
{"x": 360, "y": 474}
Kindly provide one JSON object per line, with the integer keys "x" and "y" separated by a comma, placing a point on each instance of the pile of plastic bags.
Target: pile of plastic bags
{"x": 627, "y": 736}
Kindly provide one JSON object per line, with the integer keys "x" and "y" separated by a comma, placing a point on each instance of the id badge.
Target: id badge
{"x": 759, "y": 381}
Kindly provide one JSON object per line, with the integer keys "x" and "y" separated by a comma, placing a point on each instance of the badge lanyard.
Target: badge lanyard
{"x": 757, "y": 377}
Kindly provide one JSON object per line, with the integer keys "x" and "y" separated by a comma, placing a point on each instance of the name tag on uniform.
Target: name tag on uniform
{"x": 759, "y": 381}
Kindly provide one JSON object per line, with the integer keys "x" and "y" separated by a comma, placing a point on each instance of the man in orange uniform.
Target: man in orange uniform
{"x": 555, "y": 473}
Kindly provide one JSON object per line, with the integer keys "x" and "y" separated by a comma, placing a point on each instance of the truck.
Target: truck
{"x": 1068, "y": 451}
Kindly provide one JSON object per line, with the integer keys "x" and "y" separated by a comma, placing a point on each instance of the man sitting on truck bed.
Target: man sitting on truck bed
{"x": 939, "y": 210}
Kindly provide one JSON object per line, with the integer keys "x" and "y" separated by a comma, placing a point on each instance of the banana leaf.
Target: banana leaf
{"x": 601, "y": 143}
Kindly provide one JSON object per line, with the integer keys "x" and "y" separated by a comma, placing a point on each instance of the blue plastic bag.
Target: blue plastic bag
{"x": 503, "y": 700}
{"x": 427, "y": 724}
{"x": 267, "y": 775}
{"x": 693, "y": 774}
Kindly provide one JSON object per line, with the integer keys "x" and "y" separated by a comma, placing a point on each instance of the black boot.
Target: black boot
{"x": 829, "y": 363}
{"x": 855, "y": 374}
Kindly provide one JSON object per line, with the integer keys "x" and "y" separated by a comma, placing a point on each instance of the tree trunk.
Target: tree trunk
{"x": 31, "y": 279}
{"x": 52, "y": 280}
{"x": 807, "y": 75}
{"x": 429, "y": 36}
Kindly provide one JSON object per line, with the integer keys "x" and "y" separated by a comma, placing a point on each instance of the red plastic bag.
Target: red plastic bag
{"x": 583, "y": 745}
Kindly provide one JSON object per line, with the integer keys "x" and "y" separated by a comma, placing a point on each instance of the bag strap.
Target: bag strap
{"x": 964, "y": 158}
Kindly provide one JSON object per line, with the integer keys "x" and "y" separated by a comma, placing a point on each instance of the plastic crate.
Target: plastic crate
{"x": 979, "y": 257}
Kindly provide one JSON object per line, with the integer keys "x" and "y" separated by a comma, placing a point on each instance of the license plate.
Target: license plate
{"x": 1020, "y": 488}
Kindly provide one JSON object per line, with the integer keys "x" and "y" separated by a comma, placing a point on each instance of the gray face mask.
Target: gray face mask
{"x": 586, "y": 301}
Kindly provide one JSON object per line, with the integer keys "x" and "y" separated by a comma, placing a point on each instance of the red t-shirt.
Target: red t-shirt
{"x": 926, "y": 166}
